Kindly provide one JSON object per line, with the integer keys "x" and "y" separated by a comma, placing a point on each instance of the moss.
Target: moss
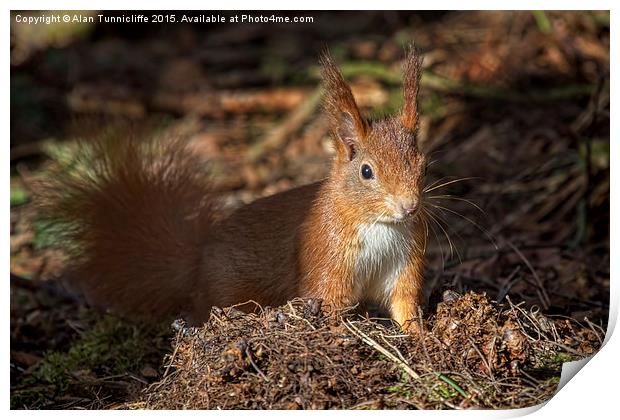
{"x": 562, "y": 358}
{"x": 19, "y": 196}
{"x": 400, "y": 390}
{"x": 445, "y": 391}
{"x": 112, "y": 347}
{"x": 555, "y": 381}
{"x": 552, "y": 360}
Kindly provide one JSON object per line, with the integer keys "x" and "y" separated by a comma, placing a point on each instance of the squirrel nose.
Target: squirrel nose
{"x": 409, "y": 206}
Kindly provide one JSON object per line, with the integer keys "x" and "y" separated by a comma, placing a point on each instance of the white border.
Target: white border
{"x": 594, "y": 393}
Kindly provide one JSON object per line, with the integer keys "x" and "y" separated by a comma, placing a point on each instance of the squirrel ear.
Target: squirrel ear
{"x": 412, "y": 71}
{"x": 345, "y": 118}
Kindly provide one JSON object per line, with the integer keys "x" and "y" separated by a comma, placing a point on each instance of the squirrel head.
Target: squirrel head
{"x": 378, "y": 168}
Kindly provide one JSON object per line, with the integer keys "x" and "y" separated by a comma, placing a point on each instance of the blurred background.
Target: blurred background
{"x": 516, "y": 101}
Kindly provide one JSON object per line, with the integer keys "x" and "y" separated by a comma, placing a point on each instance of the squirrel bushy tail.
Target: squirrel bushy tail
{"x": 132, "y": 212}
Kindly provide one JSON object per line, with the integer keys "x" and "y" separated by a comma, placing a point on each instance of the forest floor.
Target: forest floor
{"x": 518, "y": 273}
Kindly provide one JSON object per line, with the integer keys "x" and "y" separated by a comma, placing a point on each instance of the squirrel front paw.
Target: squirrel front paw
{"x": 408, "y": 315}
{"x": 412, "y": 326}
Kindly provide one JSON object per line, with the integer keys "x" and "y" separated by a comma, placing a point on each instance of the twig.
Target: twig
{"x": 594, "y": 327}
{"x": 260, "y": 372}
{"x": 278, "y": 137}
{"x": 484, "y": 359}
{"x": 544, "y": 297}
{"x": 174, "y": 353}
{"x": 508, "y": 282}
{"x": 443, "y": 84}
{"x": 366, "y": 339}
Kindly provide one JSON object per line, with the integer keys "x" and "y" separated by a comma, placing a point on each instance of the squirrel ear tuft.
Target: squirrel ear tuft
{"x": 348, "y": 135}
{"x": 345, "y": 118}
{"x": 412, "y": 72}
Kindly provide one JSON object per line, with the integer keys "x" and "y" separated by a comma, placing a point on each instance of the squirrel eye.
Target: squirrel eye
{"x": 367, "y": 171}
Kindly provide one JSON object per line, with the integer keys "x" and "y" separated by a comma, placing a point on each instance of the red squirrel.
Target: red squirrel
{"x": 145, "y": 238}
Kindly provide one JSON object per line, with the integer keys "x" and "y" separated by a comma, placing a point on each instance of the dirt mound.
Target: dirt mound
{"x": 473, "y": 353}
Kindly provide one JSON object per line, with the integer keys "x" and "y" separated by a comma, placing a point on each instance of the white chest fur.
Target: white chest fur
{"x": 384, "y": 250}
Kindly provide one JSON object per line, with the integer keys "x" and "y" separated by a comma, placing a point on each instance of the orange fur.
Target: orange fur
{"x": 139, "y": 221}
{"x": 407, "y": 298}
